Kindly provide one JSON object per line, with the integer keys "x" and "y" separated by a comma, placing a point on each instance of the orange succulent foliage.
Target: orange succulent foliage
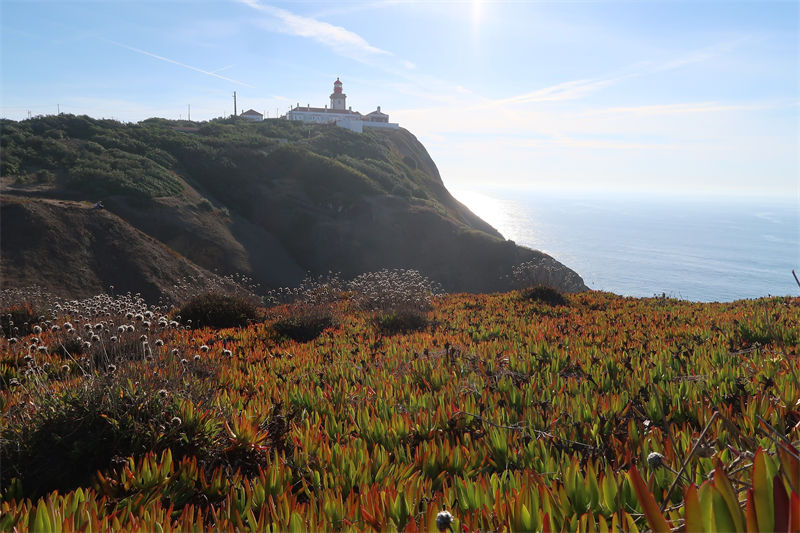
{"x": 511, "y": 414}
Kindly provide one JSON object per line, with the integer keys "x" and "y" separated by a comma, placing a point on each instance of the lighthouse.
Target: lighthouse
{"x": 338, "y": 97}
{"x": 338, "y": 113}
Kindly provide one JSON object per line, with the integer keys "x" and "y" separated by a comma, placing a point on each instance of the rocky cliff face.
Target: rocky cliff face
{"x": 274, "y": 200}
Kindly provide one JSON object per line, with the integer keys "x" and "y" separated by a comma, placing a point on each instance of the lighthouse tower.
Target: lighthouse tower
{"x": 338, "y": 97}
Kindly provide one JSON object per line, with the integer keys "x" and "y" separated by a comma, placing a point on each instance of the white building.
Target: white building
{"x": 252, "y": 114}
{"x": 341, "y": 115}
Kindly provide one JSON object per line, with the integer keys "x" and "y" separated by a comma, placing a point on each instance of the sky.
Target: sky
{"x": 666, "y": 97}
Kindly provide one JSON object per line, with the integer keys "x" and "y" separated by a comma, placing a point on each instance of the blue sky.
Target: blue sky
{"x": 656, "y": 96}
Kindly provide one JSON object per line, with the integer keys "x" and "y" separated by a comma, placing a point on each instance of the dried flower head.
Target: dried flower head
{"x": 37, "y": 330}
{"x": 196, "y": 358}
{"x": 112, "y": 368}
{"x": 159, "y": 342}
{"x": 443, "y": 520}
{"x": 65, "y": 368}
{"x": 176, "y": 421}
{"x": 163, "y": 393}
{"x": 655, "y": 460}
{"x": 204, "y": 348}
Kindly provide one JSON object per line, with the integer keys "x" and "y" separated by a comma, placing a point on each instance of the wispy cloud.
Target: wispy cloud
{"x": 699, "y": 55}
{"x": 570, "y": 90}
{"x": 681, "y": 109}
{"x": 578, "y": 89}
{"x": 184, "y": 65}
{"x": 339, "y": 39}
{"x": 588, "y": 143}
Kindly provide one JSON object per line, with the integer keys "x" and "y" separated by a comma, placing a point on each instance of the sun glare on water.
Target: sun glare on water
{"x": 486, "y": 207}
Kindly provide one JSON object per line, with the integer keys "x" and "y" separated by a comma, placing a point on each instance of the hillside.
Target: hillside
{"x": 273, "y": 200}
{"x": 601, "y": 414}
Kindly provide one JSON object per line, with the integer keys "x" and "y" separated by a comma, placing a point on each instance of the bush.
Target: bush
{"x": 312, "y": 291}
{"x": 544, "y": 294}
{"x": 18, "y": 319}
{"x": 45, "y": 176}
{"x": 218, "y": 311}
{"x": 392, "y": 291}
{"x": 401, "y": 321}
{"x": 304, "y": 324}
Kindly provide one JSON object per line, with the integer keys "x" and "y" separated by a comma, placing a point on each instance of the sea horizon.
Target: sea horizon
{"x": 697, "y": 247}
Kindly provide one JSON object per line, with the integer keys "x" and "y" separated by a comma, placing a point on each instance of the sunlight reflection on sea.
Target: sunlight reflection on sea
{"x": 704, "y": 250}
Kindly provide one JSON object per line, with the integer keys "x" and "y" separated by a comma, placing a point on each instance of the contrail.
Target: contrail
{"x": 168, "y": 60}
{"x": 226, "y": 67}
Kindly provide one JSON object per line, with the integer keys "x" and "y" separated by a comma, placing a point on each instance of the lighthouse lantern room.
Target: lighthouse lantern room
{"x": 338, "y": 98}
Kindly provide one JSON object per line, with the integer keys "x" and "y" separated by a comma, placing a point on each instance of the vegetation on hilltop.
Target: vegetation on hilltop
{"x": 103, "y": 157}
{"x": 608, "y": 413}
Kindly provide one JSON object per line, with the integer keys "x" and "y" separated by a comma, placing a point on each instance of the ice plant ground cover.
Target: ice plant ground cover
{"x": 604, "y": 414}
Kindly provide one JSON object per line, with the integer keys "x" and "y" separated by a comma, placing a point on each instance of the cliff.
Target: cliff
{"x": 274, "y": 200}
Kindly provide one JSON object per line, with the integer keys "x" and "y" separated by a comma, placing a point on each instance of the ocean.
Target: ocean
{"x": 699, "y": 249}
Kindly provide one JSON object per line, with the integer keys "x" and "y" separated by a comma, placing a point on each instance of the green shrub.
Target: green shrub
{"x": 544, "y": 294}
{"x": 759, "y": 331}
{"x": 45, "y": 176}
{"x": 205, "y": 205}
{"x": 69, "y": 437}
{"x": 219, "y": 311}
{"x": 305, "y": 323}
{"x": 403, "y": 321}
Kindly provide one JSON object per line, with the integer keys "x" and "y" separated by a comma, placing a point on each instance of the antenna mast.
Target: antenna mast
{"x": 234, "y": 104}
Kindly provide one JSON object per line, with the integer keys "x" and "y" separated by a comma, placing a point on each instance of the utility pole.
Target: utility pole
{"x": 190, "y": 113}
{"x": 59, "y": 108}
{"x": 234, "y": 104}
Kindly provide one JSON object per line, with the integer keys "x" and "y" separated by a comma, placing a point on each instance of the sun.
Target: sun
{"x": 476, "y": 10}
